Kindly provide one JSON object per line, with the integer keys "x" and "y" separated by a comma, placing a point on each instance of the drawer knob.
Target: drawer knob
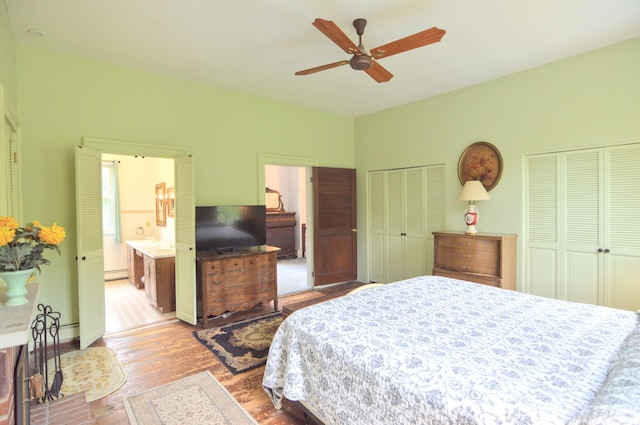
{"x": 464, "y": 243}
{"x": 464, "y": 255}
{"x": 466, "y": 268}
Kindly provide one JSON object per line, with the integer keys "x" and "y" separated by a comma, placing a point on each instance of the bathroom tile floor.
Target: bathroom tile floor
{"x": 126, "y": 308}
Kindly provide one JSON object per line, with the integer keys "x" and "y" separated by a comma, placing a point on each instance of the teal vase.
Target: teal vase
{"x": 16, "y": 286}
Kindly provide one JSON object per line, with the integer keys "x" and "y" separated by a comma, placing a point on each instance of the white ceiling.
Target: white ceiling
{"x": 255, "y": 46}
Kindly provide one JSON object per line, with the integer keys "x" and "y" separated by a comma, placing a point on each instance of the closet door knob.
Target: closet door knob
{"x": 599, "y": 249}
{"x": 606, "y": 251}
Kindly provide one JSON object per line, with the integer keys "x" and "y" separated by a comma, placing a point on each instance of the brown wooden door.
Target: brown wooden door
{"x": 334, "y": 225}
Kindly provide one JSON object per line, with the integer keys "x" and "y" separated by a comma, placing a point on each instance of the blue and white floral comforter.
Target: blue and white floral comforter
{"x": 438, "y": 350}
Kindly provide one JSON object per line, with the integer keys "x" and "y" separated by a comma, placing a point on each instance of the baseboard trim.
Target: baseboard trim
{"x": 116, "y": 274}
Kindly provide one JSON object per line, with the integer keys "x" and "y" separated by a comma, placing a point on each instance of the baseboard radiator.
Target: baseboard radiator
{"x": 116, "y": 274}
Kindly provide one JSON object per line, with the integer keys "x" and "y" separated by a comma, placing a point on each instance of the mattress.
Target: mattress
{"x": 439, "y": 350}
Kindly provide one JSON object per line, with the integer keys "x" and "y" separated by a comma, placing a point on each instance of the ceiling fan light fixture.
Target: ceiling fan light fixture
{"x": 360, "y": 62}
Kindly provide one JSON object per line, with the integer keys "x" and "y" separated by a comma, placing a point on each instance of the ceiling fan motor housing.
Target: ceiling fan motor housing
{"x": 360, "y": 62}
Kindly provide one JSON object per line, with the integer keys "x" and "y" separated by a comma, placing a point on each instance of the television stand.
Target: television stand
{"x": 236, "y": 281}
{"x": 230, "y": 251}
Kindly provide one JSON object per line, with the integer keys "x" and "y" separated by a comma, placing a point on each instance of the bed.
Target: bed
{"x": 443, "y": 351}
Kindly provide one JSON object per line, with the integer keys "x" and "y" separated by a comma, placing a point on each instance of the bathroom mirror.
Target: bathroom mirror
{"x": 171, "y": 202}
{"x": 161, "y": 204}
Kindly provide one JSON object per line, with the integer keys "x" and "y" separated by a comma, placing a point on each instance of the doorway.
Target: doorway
{"x": 129, "y": 214}
{"x": 299, "y": 163}
{"x": 88, "y": 161}
{"x": 286, "y": 228}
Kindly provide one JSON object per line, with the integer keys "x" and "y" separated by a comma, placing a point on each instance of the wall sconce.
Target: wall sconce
{"x": 472, "y": 191}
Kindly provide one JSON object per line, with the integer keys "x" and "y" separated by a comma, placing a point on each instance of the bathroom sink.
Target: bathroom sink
{"x": 164, "y": 251}
{"x": 152, "y": 247}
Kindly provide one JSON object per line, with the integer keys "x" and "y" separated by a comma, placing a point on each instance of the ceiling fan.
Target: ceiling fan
{"x": 362, "y": 61}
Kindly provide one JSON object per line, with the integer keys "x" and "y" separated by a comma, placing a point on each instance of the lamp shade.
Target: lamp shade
{"x": 473, "y": 190}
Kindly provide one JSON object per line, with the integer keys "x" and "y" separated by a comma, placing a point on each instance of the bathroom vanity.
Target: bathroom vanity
{"x": 151, "y": 265}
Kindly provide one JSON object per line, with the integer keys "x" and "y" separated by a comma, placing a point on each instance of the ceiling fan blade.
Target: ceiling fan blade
{"x": 335, "y": 34}
{"x": 378, "y": 72}
{"x": 423, "y": 38}
{"x": 322, "y": 68}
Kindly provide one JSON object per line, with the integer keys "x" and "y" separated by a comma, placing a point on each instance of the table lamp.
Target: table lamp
{"x": 472, "y": 191}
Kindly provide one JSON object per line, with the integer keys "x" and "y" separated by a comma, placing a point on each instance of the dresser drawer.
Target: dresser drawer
{"x": 483, "y": 279}
{"x": 225, "y": 282}
{"x": 468, "y": 243}
{"x": 249, "y": 294}
{"x": 223, "y": 266}
{"x": 488, "y": 259}
{"x": 259, "y": 261}
{"x": 463, "y": 260}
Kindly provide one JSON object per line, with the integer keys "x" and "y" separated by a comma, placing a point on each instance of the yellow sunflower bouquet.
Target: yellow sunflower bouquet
{"x": 22, "y": 248}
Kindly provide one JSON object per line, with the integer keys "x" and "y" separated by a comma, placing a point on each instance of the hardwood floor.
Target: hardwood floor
{"x": 167, "y": 352}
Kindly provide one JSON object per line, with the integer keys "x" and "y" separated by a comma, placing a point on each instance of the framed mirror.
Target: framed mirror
{"x": 273, "y": 201}
{"x": 171, "y": 202}
{"x": 161, "y": 204}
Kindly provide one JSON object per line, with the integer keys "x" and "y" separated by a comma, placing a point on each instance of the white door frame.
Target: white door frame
{"x": 118, "y": 147}
{"x": 265, "y": 159}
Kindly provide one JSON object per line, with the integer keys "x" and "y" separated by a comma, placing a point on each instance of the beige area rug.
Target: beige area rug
{"x": 195, "y": 400}
{"x": 96, "y": 371}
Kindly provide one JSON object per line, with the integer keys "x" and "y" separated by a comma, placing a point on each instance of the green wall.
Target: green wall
{"x": 7, "y": 56}
{"x": 64, "y": 98}
{"x": 588, "y": 100}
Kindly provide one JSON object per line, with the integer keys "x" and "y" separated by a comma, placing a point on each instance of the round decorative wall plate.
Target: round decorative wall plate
{"x": 480, "y": 161}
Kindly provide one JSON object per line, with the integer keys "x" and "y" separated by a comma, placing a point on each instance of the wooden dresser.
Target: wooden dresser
{"x": 489, "y": 259}
{"x": 281, "y": 228}
{"x": 236, "y": 282}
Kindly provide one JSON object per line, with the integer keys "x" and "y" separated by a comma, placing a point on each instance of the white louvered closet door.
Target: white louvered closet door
{"x": 377, "y": 217}
{"x": 435, "y": 209}
{"x": 582, "y": 227}
{"x": 581, "y": 243}
{"x": 395, "y": 226}
{"x": 541, "y": 236}
{"x": 622, "y": 238}
{"x": 405, "y": 207}
{"x": 415, "y": 219}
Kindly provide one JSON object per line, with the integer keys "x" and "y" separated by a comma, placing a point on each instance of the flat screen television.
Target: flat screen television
{"x": 230, "y": 228}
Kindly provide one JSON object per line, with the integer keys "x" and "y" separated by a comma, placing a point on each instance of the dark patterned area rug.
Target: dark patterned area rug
{"x": 241, "y": 346}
